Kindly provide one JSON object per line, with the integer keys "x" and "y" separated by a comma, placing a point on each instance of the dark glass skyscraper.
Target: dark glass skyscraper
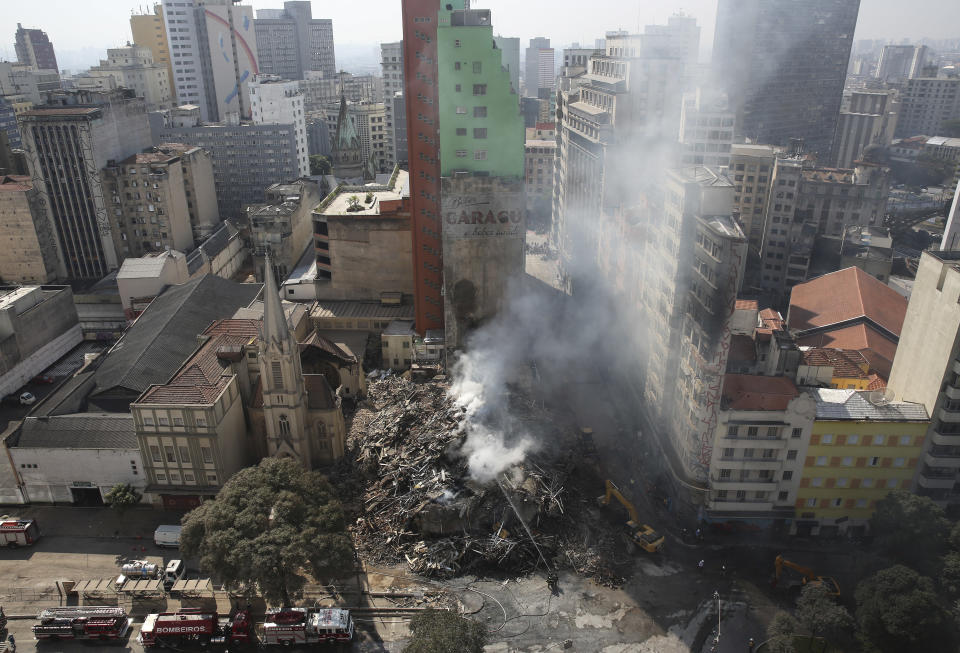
{"x": 783, "y": 64}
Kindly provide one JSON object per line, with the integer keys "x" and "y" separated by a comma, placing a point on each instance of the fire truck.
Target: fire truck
{"x": 18, "y": 532}
{"x": 193, "y": 627}
{"x": 83, "y": 622}
{"x": 290, "y": 626}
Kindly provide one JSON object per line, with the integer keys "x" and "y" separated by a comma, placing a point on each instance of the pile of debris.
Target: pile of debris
{"x": 406, "y": 482}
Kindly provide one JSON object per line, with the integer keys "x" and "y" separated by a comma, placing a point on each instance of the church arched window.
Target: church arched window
{"x": 284, "y": 425}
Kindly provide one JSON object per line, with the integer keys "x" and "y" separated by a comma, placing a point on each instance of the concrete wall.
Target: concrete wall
{"x": 57, "y": 470}
{"x": 484, "y": 231}
{"x": 355, "y": 242}
{"x": 198, "y": 179}
{"x": 26, "y": 237}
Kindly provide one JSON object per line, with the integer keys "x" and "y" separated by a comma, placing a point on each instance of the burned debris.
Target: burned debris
{"x": 406, "y": 482}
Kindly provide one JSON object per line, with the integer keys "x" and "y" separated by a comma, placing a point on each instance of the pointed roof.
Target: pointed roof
{"x": 346, "y": 137}
{"x": 275, "y": 327}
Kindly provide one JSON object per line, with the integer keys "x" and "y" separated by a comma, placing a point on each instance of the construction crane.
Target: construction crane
{"x": 809, "y": 576}
{"x": 640, "y": 534}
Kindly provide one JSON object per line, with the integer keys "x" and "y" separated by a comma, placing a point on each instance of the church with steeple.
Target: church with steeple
{"x": 294, "y": 415}
{"x": 348, "y": 161}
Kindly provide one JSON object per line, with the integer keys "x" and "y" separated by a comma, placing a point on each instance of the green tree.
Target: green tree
{"x": 913, "y": 530}
{"x": 442, "y": 631}
{"x": 949, "y": 578}
{"x": 267, "y": 528}
{"x": 353, "y": 204}
{"x": 782, "y": 633}
{"x": 898, "y": 610}
{"x": 320, "y": 165}
{"x": 821, "y": 616}
{"x": 121, "y": 497}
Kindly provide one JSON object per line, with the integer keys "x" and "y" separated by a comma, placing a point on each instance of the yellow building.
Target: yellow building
{"x": 844, "y": 369}
{"x": 861, "y": 448}
{"x": 150, "y": 31}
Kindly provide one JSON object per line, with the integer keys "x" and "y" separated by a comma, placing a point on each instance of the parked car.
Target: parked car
{"x": 27, "y": 399}
{"x": 42, "y": 378}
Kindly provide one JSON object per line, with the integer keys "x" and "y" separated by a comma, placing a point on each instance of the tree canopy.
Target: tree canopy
{"x": 267, "y": 528}
{"x": 442, "y": 631}
{"x": 911, "y": 529}
{"x": 781, "y": 633}
{"x": 898, "y": 610}
{"x": 821, "y": 616}
{"x": 320, "y": 165}
{"x": 121, "y": 497}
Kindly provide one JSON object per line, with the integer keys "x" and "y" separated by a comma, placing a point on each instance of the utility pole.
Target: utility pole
{"x": 716, "y": 640}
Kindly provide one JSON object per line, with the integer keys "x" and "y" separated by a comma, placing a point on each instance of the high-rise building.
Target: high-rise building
{"x": 420, "y": 76}
{"x": 26, "y": 234}
{"x": 198, "y": 182}
{"x": 391, "y": 64}
{"x": 24, "y": 86}
{"x": 706, "y": 129}
{"x": 925, "y": 370}
{"x": 751, "y": 167}
{"x": 680, "y": 38}
{"x": 134, "y": 67}
{"x": 214, "y": 54}
{"x": 247, "y": 158}
{"x": 926, "y": 104}
{"x": 509, "y": 47}
{"x": 34, "y": 49}
{"x": 482, "y": 171}
{"x": 74, "y": 136}
{"x": 865, "y": 119}
{"x": 538, "y": 69}
{"x": 783, "y": 63}
{"x": 274, "y": 101}
{"x": 899, "y": 63}
{"x": 147, "y": 204}
{"x": 370, "y": 120}
{"x": 290, "y": 41}
{"x": 150, "y": 31}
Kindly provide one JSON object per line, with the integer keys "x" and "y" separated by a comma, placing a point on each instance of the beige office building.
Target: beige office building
{"x": 150, "y": 32}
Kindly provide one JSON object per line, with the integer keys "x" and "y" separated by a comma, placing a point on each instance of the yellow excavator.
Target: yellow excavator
{"x": 809, "y": 576}
{"x": 640, "y": 534}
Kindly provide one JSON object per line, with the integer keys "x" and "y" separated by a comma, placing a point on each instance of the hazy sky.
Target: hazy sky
{"x": 94, "y": 25}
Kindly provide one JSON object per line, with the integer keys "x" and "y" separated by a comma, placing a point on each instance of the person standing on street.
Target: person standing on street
{"x": 700, "y": 566}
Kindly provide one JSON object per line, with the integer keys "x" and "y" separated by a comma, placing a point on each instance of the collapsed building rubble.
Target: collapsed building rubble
{"x": 406, "y": 482}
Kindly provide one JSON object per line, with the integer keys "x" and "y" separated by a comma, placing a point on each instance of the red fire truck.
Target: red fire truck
{"x": 289, "y": 626}
{"x": 83, "y": 622}
{"x": 18, "y": 532}
{"x": 194, "y": 627}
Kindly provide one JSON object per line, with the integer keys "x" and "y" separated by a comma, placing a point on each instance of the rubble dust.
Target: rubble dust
{"x": 405, "y": 483}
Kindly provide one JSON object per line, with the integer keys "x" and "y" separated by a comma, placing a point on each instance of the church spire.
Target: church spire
{"x": 274, "y": 321}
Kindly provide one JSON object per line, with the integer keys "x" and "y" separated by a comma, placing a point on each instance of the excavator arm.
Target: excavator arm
{"x": 612, "y": 491}
{"x": 809, "y": 575}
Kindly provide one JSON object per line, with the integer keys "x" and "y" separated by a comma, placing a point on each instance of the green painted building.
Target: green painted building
{"x": 481, "y": 128}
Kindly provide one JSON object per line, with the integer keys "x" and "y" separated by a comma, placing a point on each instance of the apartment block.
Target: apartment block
{"x": 26, "y": 234}
{"x": 707, "y": 126}
{"x": 370, "y": 120}
{"x": 758, "y": 450}
{"x": 927, "y": 370}
{"x": 281, "y": 227}
{"x": 150, "y": 31}
{"x": 77, "y": 134}
{"x": 134, "y": 67}
{"x": 862, "y": 446}
{"x": 539, "y": 157}
{"x": 277, "y": 102}
{"x": 510, "y": 50}
{"x": 538, "y": 66}
{"x": 33, "y": 48}
{"x": 391, "y": 65}
{"x": 752, "y": 169}
{"x": 866, "y": 119}
{"x": 290, "y": 41}
{"x": 199, "y": 187}
{"x": 926, "y": 103}
{"x": 147, "y": 204}
{"x": 213, "y": 50}
{"x": 247, "y": 158}
{"x": 898, "y": 63}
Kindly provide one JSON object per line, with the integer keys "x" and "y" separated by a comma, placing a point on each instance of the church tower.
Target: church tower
{"x": 347, "y": 155}
{"x": 285, "y": 405}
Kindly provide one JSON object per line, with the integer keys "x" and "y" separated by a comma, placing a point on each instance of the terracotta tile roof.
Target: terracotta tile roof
{"x": 753, "y": 392}
{"x": 236, "y": 327}
{"x": 847, "y": 364}
{"x": 772, "y": 321}
{"x": 876, "y": 382}
{"x": 16, "y": 182}
{"x": 873, "y": 345}
{"x": 319, "y": 342}
{"x": 747, "y": 305}
{"x": 843, "y": 296}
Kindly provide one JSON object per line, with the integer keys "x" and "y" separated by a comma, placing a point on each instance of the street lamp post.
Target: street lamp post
{"x": 716, "y": 640}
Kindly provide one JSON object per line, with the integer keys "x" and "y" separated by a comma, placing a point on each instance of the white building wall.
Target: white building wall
{"x": 57, "y": 470}
{"x": 40, "y": 360}
{"x": 281, "y": 102}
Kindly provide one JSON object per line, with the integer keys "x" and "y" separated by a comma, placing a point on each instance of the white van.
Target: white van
{"x": 167, "y": 535}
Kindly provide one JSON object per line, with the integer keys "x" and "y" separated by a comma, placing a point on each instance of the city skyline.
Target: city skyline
{"x": 78, "y": 48}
